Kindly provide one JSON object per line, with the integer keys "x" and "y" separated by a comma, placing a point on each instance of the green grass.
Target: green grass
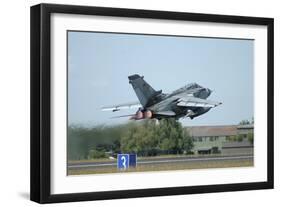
{"x": 143, "y": 158}
{"x": 166, "y": 167}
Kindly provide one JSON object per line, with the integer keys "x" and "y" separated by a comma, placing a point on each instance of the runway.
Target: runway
{"x": 161, "y": 161}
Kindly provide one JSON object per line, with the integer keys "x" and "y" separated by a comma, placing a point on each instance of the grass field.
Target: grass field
{"x": 147, "y": 158}
{"x": 165, "y": 167}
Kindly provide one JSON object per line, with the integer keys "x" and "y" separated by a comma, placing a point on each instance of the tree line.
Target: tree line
{"x": 145, "y": 138}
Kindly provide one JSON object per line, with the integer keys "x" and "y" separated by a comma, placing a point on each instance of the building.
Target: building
{"x": 227, "y": 139}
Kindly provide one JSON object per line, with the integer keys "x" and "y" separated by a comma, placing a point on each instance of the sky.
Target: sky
{"x": 99, "y": 65}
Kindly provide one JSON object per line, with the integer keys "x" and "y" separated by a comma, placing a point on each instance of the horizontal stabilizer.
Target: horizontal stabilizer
{"x": 128, "y": 115}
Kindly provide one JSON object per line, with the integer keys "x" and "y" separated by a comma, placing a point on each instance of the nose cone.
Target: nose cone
{"x": 219, "y": 103}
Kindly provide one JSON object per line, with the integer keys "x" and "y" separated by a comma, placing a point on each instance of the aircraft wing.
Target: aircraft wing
{"x": 196, "y": 102}
{"x": 118, "y": 107}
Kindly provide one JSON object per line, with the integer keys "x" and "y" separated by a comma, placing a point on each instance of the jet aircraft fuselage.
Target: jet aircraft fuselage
{"x": 188, "y": 101}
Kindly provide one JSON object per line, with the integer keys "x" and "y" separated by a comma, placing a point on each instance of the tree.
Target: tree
{"x": 81, "y": 141}
{"x": 244, "y": 122}
{"x": 250, "y": 137}
{"x": 240, "y": 137}
{"x": 93, "y": 154}
{"x": 187, "y": 143}
{"x": 148, "y": 139}
{"x": 253, "y": 121}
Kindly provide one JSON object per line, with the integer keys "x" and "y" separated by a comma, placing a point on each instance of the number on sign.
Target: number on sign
{"x": 123, "y": 158}
{"x": 123, "y": 161}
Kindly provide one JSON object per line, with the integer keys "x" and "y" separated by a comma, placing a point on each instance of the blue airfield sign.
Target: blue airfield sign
{"x": 123, "y": 161}
{"x": 133, "y": 160}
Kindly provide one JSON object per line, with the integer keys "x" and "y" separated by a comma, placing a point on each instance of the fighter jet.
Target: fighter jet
{"x": 188, "y": 101}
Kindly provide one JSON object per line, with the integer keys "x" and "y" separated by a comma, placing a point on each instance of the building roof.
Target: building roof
{"x": 207, "y": 131}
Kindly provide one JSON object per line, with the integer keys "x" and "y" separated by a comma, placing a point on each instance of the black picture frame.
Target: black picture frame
{"x": 40, "y": 184}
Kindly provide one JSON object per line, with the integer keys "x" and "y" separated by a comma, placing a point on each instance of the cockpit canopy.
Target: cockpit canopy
{"x": 192, "y": 86}
{"x": 187, "y": 87}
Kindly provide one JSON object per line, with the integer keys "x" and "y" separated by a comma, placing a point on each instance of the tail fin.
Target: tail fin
{"x": 143, "y": 90}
